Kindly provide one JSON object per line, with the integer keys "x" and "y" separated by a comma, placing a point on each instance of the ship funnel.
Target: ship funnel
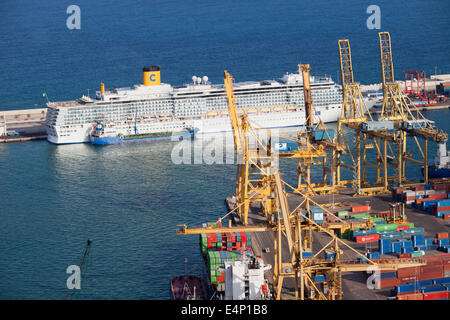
{"x": 102, "y": 88}
{"x": 152, "y": 76}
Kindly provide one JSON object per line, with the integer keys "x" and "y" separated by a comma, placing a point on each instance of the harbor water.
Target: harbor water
{"x": 128, "y": 199}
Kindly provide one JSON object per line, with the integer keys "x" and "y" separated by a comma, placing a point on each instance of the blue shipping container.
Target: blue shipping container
{"x": 397, "y": 247}
{"x": 407, "y": 249}
{"x": 320, "y": 278}
{"x": 443, "y": 203}
{"x": 405, "y": 288}
{"x": 432, "y": 288}
{"x": 373, "y": 255}
{"x": 387, "y": 275}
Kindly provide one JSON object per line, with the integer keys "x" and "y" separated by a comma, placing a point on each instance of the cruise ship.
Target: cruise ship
{"x": 156, "y": 107}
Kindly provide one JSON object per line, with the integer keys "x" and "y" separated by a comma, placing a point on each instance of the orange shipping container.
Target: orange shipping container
{"x": 361, "y": 208}
{"x": 442, "y": 235}
{"x": 416, "y": 296}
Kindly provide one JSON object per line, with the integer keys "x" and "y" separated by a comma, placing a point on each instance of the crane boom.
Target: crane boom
{"x": 238, "y": 139}
{"x": 387, "y": 68}
{"x": 305, "y": 68}
{"x": 345, "y": 58}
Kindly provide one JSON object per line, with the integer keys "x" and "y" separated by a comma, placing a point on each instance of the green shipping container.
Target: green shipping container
{"x": 416, "y": 254}
{"x": 384, "y": 227}
{"x": 346, "y": 235}
{"x": 360, "y": 216}
{"x": 342, "y": 214}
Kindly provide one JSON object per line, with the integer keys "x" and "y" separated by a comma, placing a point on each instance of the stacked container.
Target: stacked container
{"x": 432, "y": 199}
{"x": 220, "y": 247}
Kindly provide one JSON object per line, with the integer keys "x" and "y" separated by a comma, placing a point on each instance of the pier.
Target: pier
{"x": 22, "y": 125}
{"x": 354, "y": 283}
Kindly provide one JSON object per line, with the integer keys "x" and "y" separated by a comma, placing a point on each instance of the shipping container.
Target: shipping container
{"x": 386, "y": 283}
{"x": 413, "y": 231}
{"x": 367, "y": 238}
{"x": 435, "y": 295}
{"x": 402, "y": 288}
{"x": 442, "y": 235}
{"x": 407, "y": 279}
{"x": 361, "y": 208}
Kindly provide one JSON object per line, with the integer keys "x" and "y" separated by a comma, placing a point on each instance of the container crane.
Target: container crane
{"x": 396, "y": 108}
{"x": 297, "y": 225}
{"x": 356, "y": 116}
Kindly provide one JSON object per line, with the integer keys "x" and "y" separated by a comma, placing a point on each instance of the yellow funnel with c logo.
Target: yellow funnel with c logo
{"x": 152, "y": 76}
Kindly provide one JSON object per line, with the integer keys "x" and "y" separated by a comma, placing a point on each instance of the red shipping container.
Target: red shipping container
{"x": 435, "y": 295}
{"x": 441, "y": 209}
{"x": 442, "y": 235}
{"x": 386, "y": 283}
{"x": 408, "y": 279}
{"x": 407, "y": 272}
{"x": 369, "y": 238}
{"x": 431, "y": 268}
{"x": 399, "y": 228}
{"x": 361, "y": 208}
{"x": 435, "y": 262}
{"x": 429, "y": 276}
{"x": 405, "y": 293}
{"x": 415, "y": 296}
{"x": 437, "y": 196}
{"x": 404, "y": 255}
{"x": 446, "y": 216}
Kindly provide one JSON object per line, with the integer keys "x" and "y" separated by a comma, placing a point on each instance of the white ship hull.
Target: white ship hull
{"x": 80, "y": 134}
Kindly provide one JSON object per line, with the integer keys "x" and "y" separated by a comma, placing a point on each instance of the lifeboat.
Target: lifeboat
{"x": 291, "y": 108}
{"x": 278, "y": 109}
{"x": 211, "y": 113}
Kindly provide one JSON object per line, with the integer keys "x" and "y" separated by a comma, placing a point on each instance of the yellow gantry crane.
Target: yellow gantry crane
{"x": 258, "y": 179}
{"x": 317, "y": 138}
{"x": 357, "y": 117}
{"x": 292, "y": 262}
{"x": 257, "y": 160}
{"x": 396, "y": 108}
{"x": 386, "y": 134}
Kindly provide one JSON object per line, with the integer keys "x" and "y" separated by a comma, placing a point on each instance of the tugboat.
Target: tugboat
{"x": 187, "y": 288}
